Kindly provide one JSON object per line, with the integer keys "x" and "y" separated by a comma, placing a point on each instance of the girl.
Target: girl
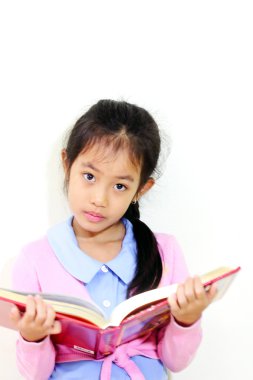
{"x": 104, "y": 253}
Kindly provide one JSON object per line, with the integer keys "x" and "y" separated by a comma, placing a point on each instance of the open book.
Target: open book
{"x": 85, "y": 328}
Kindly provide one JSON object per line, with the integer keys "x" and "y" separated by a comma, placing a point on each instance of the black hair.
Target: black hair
{"x": 122, "y": 124}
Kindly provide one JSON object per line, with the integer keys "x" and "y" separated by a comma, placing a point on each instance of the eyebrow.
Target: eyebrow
{"x": 91, "y": 166}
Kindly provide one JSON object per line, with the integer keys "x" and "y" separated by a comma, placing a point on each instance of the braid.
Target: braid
{"x": 133, "y": 211}
{"x": 149, "y": 264}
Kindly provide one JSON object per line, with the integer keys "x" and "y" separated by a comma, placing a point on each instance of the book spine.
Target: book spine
{"x": 107, "y": 341}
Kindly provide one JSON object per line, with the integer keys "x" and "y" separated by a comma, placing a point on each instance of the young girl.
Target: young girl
{"x": 104, "y": 253}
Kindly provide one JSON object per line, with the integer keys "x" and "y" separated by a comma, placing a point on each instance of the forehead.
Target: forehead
{"x": 119, "y": 162}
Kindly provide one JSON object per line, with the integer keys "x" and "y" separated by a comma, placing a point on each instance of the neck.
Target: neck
{"x": 113, "y": 233}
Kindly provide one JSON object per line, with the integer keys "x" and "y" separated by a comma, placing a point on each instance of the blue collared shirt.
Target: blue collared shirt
{"x": 107, "y": 286}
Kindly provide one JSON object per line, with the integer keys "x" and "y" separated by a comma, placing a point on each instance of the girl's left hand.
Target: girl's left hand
{"x": 188, "y": 303}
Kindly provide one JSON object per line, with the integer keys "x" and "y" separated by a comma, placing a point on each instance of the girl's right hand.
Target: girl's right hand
{"x": 37, "y": 322}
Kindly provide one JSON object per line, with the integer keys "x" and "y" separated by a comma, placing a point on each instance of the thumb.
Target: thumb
{"x": 56, "y": 328}
{"x": 212, "y": 292}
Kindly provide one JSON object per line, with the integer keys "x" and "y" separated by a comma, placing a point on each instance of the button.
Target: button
{"x": 106, "y": 303}
{"x": 104, "y": 268}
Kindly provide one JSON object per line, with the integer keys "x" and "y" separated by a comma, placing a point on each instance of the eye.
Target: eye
{"x": 89, "y": 177}
{"x": 120, "y": 187}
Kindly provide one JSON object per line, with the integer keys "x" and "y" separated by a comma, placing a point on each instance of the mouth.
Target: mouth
{"x": 93, "y": 216}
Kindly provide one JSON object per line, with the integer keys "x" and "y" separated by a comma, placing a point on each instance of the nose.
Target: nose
{"x": 99, "y": 198}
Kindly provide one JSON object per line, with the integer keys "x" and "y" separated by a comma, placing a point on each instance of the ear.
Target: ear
{"x": 146, "y": 187}
{"x": 65, "y": 161}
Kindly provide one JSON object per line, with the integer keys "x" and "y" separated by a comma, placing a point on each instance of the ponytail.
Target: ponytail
{"x": 148, "y": 271}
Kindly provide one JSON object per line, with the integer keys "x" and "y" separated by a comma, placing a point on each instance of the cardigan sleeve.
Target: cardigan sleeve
{"x": 177, "y": 345}
{"x": 34, "y": 360}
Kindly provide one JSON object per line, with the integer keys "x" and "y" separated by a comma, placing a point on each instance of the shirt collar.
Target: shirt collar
{"x": 64, "y": 244}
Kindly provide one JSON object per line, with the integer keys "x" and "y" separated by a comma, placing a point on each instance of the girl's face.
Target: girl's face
{"x": 101, "y": 186}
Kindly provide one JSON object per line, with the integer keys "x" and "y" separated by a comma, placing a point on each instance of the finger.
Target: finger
{"x": 189, "y": 289}
{"x": 48, "y": 323}
{"x": 56, "y": 328}
{"x": 212, "y": 292}
{"x": 41, "y": 308}
{"x": 199, "y": 289}
{"x": 15, "y": 314}
{"x": 181, "y": 297}
{"x": 30, "y": 312}
{"x": 172, "y": 300}
{"x": 50, "y": 313}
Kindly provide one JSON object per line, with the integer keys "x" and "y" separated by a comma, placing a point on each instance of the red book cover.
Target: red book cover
{"x": 85, "y": 329}
{"x": 97, "y": 342}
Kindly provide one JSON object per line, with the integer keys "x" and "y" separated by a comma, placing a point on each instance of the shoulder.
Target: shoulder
{"x": 41, "y": 249}
{"x": 167, "y": 244}
{"x": 34, "y": 257}
{"x": 175, "y": 269}
{"x": 28, "y": 264}
{"x": 36, "y": 250}
{"x": 37, "y": 268}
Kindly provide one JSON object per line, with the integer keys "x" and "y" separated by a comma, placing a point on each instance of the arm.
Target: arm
{"x": 177, "y": 343}
{"x": 34, "y": 360}
{"x": 182, "y": 337}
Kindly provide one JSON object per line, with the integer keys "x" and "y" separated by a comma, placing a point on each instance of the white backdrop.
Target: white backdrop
{"x": 190, "y": 64}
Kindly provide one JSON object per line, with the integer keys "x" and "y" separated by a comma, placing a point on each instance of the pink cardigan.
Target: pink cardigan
{"x": 37, "y": 269}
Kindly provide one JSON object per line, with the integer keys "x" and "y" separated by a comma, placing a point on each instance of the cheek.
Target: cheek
{"x": 125, "y": 201}
{"x": 74, "y": 190}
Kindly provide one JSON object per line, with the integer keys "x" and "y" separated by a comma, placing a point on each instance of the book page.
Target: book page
{"x": 135, "y": 302}
{"x": 61, "y": 303}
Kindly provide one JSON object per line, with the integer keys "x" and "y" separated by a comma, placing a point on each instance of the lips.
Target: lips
{"x": 93, "y": 216}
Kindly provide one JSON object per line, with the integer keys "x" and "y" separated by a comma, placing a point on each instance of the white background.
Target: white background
{"x": 190, "y": 64}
